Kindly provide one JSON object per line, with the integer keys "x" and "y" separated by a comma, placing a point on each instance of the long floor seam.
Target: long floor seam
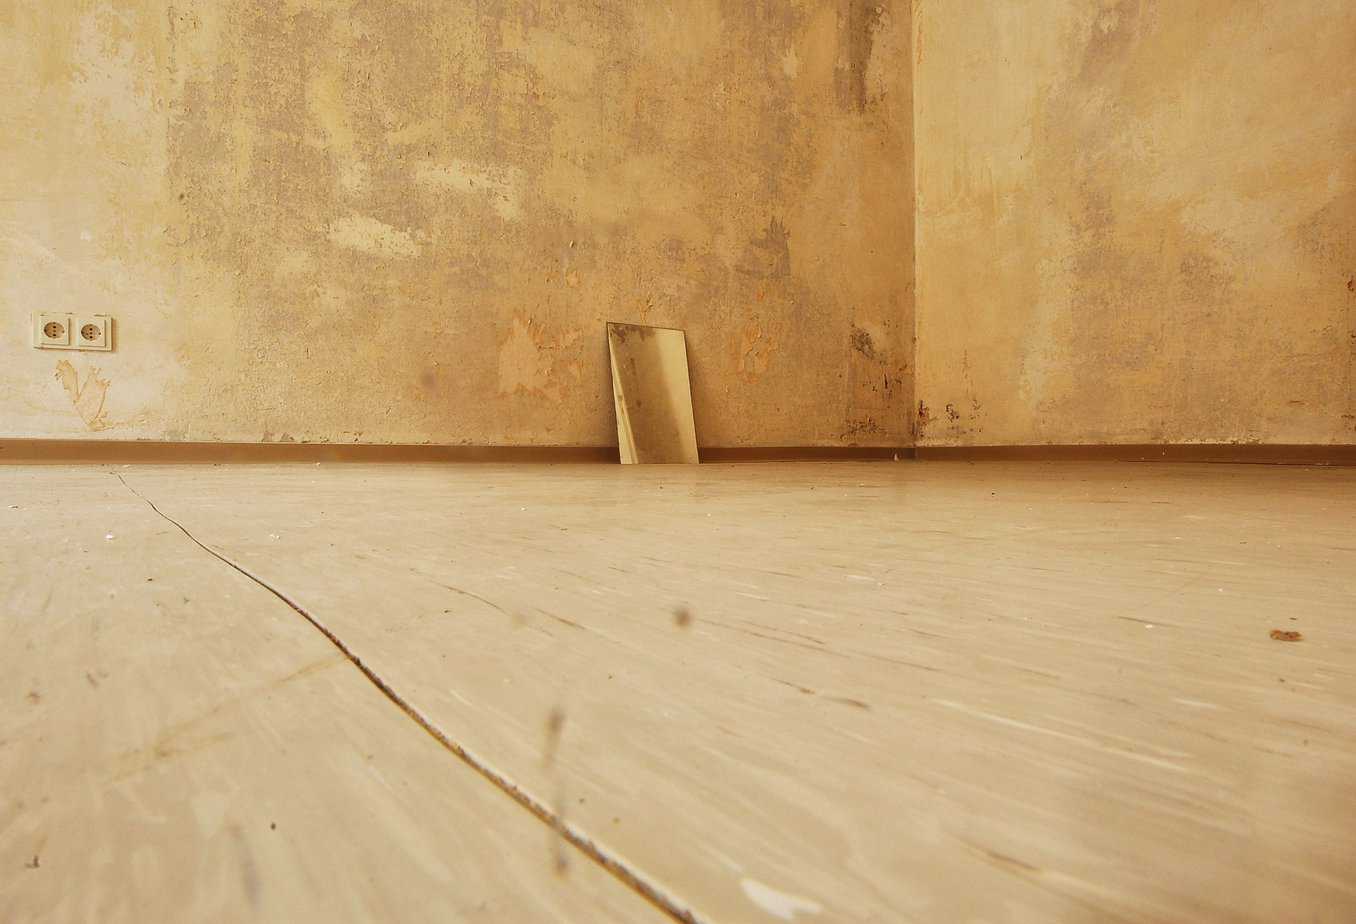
{"x": 575, "y": 837}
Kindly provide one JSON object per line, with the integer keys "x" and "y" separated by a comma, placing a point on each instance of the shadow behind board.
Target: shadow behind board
{"x": 652, "y": 393}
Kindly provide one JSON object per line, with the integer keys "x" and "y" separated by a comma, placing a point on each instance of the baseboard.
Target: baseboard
{"x": 1228, "y": 453}
{"x": 153, "y": 451}
{"x": 806, "y": 453}
{"x": 32, "y": 451}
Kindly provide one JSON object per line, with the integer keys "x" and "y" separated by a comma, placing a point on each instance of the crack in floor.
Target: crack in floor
{"x": 629, "y": 877}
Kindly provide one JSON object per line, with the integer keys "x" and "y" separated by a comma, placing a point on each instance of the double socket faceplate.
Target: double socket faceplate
{"x": 58, "y": 330}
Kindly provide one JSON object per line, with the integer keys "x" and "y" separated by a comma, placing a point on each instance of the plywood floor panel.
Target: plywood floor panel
{"x": 930, "y": 692}
{"x": 178, "y": 745}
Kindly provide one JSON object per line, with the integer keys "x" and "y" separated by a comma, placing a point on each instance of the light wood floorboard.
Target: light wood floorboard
{"x": 178, "y": 745}
{"x": 887, "y": 692}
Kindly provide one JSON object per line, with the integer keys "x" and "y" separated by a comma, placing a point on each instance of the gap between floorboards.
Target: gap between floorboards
{"x": 629, "y": 877}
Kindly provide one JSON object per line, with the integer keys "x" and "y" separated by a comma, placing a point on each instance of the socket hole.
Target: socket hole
{"x": 90, "y": 332}
{"x": 54, "y": 330}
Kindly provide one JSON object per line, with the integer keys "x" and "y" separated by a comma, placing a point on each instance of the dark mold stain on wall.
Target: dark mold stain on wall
{"x": 861, "y": 19}
{"x": 862, "y": 343}
{"x": 768, "y": 255}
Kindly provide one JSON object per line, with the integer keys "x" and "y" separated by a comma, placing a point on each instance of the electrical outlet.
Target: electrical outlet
{"x": 92, "y": 332}
{"x": 51, "y": 331}
{"x": 59, "y": 331}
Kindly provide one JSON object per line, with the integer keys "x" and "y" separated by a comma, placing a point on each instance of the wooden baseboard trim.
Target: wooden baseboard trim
{"x": 157, "y": 452}
{"x": 806, "y": 453}
{"x": 31, "y": 451}
{"x": 1224, "y": 453}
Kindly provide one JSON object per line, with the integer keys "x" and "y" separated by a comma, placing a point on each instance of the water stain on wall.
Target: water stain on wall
{"x": 298, "y": 209}
{"x": 86, "y": 395}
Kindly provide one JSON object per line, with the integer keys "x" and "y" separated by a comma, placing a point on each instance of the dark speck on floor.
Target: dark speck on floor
{"x": 848, "y": 701}
{"x": 555, "y": 724}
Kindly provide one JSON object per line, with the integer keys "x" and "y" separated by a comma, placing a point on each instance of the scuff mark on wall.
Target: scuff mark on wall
{"x": 88, "y": 396}
{"x": 857, "y": 429}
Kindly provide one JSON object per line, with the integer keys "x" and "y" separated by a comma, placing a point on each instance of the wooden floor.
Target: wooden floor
{"x": 935, "y": 692}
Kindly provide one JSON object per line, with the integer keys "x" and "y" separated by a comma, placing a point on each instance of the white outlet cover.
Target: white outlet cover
{"x": 73, "y": 330}
{"x": 92, "y": 332}
{"x": 44, "y": 340}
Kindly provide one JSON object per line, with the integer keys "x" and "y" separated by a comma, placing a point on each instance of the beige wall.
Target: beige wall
{"x": 408, "y": 221}
{"x": 1136, "y": 221}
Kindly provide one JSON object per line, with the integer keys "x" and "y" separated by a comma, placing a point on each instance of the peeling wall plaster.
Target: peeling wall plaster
{"x": 409, "y": 221}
